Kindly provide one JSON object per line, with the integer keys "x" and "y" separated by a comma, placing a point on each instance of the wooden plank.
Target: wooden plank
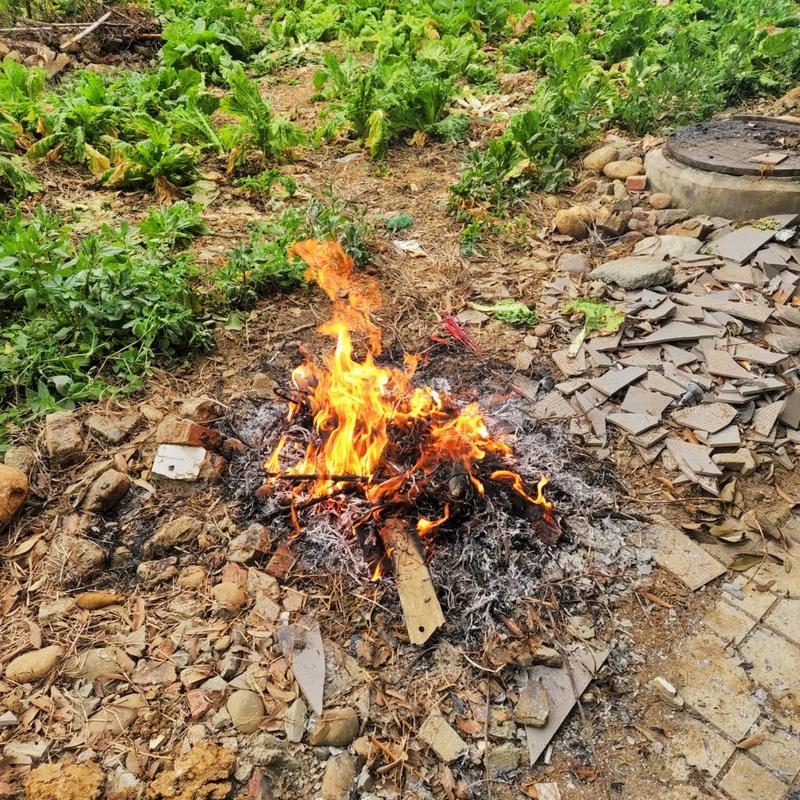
{"x": 421, "y": 609}
{"x": 85, "y": 32}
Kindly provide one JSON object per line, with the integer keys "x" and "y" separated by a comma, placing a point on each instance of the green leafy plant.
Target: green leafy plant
{"x": 265, "y": 182}
{"x": 173, "y": 226}
{"x": 258, "y": 128}
{"x": 513, "y": 312}
{"x": 15, "y": 180}
{"x": 598, "y": 317}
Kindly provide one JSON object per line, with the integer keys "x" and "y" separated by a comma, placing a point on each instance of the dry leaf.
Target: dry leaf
{"x": 751, "y": 741}
{"x": 745, "y": 561}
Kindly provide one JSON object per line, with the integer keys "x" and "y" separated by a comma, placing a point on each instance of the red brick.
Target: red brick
{"x": 636, "y": 183}
{"x": 184, "y": 431}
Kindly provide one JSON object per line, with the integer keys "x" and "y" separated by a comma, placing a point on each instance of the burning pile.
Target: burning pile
{"x": 364, "y": 430}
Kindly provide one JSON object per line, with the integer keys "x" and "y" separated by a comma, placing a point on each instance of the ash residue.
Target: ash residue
{"x": 491, "y": 562}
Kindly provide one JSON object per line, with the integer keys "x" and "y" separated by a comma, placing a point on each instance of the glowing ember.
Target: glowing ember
{"x": 373, "y": 428}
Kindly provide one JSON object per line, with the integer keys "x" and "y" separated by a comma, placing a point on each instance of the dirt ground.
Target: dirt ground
{"x": 170, "y": 619}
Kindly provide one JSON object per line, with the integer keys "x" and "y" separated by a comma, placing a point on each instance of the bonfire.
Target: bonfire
{"x": 369, "y": 430}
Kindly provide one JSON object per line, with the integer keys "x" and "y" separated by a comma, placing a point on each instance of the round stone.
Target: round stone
{"x": 246, "y": 710}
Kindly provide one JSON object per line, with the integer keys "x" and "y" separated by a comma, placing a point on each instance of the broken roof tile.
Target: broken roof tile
{"x": 650, "y": 437}
{"x": 722, "y": 364}
{"x": 678, "y": 356}
{"x": 727, "y": 437}
{"x": 765, "y": 417}
{"x": 553, "y": 406}
{"x": 694, "y": 457}
{"x": 641, "y": 401}
{"x": 657, "y": 382}
{"x": 615, "y": 379}
{"x": 634, "y": 423}
{"x": 747, "y": 310}
{"x": 742, "y": 243}
{"x": 709, "y": 417}
{"x": 759, "y": 355}
{"x": 790, "y": 415}
{"x": 569, "y": 365}
{"x": 676, "y": 332}
{"x": 786, "y": 343}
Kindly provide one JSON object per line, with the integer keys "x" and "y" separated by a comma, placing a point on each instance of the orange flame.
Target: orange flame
{"x": 357, "y": 404}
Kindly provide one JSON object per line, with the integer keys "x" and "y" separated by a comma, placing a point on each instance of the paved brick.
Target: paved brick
{"x": 746, "y": 780}
{"x": 703, "y": 748}
{"x": 712, "y": 682}
{"x": 780, "y": 751}
{"x": 752, "y": 601}
{"x": 775, "y": 575}
{"x": 729, "y": 623}
{"x": 775, "y": 666}
{"x": 785, "y": 618}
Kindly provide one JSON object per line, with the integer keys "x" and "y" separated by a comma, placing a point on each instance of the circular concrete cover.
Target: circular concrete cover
{"x": 740, "y": 146}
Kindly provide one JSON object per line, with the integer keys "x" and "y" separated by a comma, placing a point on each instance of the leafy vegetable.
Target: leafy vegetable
{"x": 513, "y": 312}
{"x": 598, "y": 317}
{"x": 172, "y": 226}
{"x": 15, "y": 179}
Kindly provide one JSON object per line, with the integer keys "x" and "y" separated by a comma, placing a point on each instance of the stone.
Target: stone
{"x": 573, "y": 222}
{"x": 246, "y": 710}
{"x": 598, "y": 158}
{"x": 229, "y": 596}
{"x": 660, "y": 201}
{"x": 112, "y": 429}
{"x": 575, "y": 263}
{"x": 740, "y": 460}
{"x": 92, "y": 601}
{"x": 636, "y": 183}
{"x": 192, "y": 577}
{"x": 35, "y": 664}
{"x": 613, "y": 222}
{"x": 634, "y": 272}
{"x": 340, "y": 771}
{"x": 22, "y": 458}
{"x": 13, "y": 491}
{"x": 198, "y": 703}
{"x": 533, "y": 707}
{"x": 56, "y": 608}
{"x": 622, "y": 170}
{"x": 294, "y": 722}
{"x": 263, "y": 386}
{"x": 176, "y": 531}
{"x": 334, "y": 727}
{"x": 151, "y": 413}
{"x": 172, "y": 430}
{"x": 63, "y": 438}
{"x": 504, "y": 758}
{"x": 65, "y": 781}
{"x": 202, "y": 409}
{"x": 91, "y": 664}
{"x": 159, "y": 571}
{"x": 106, "y": 491}
{"x": 253, "y": 539}
{"x": 441, "y": 737}
{"x": 71, "y": 558}
{"x": 746, "y": 780}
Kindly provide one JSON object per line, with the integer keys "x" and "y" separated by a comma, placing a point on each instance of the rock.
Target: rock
{"x": 533, "y": 707}
{"x": 636, "y": 183}
{"x": 151, "y": 413}
{"x": 598, "y": 158}
{"x": 22, "y": 458}
{"x": 172, "y": 430}
{"x": 13, "y": 491}
{"x": 202, "y": 409}
{"x": 90, "y": 664}
{"x": 56, "y": 608}
{"x": 294, "y": 722}
{"x": 65, "y": 781}
{"x": 660, "y": 201}
{"x": 198, "y": 703}
{"x": 71, "y": 558}
{"x": 115, "y": 718}
{"x": 340, "y": 771}
{"x": 334, "y": 727}
{"x": 35, "y": 664}
{"x": 201, "y": 774}
{"x": 541, "y": 331}
{"x": 229, "y": 596}
{"x": 621, "y": 170}
{"x": 159, "y": 571}
{"x": 253, "y": 539}
{"x": 620, "y": 192}
{"x": 263, "y": 386}
{"x": 92, "y": 601}
{"x": 192, "y": 577}
{"x": 174, "y": 532}
{"x": 439, "y": 735}
{"x": 613, "y": 222}
{"x": 246, "y": 710}
{"x": 63, "y": 438}
{"x": 671, "y": 216}
{"x": 634, "y": 272}
{"x": 502, "y": 759}
{"x": 107, "y": 490}
{"x": 112, "y": 429}
{"x": 573, "y": 222}
{"x": 575, "y": 263}
{"x": 264, "y": 749}
{"x": 739, "y": 461}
